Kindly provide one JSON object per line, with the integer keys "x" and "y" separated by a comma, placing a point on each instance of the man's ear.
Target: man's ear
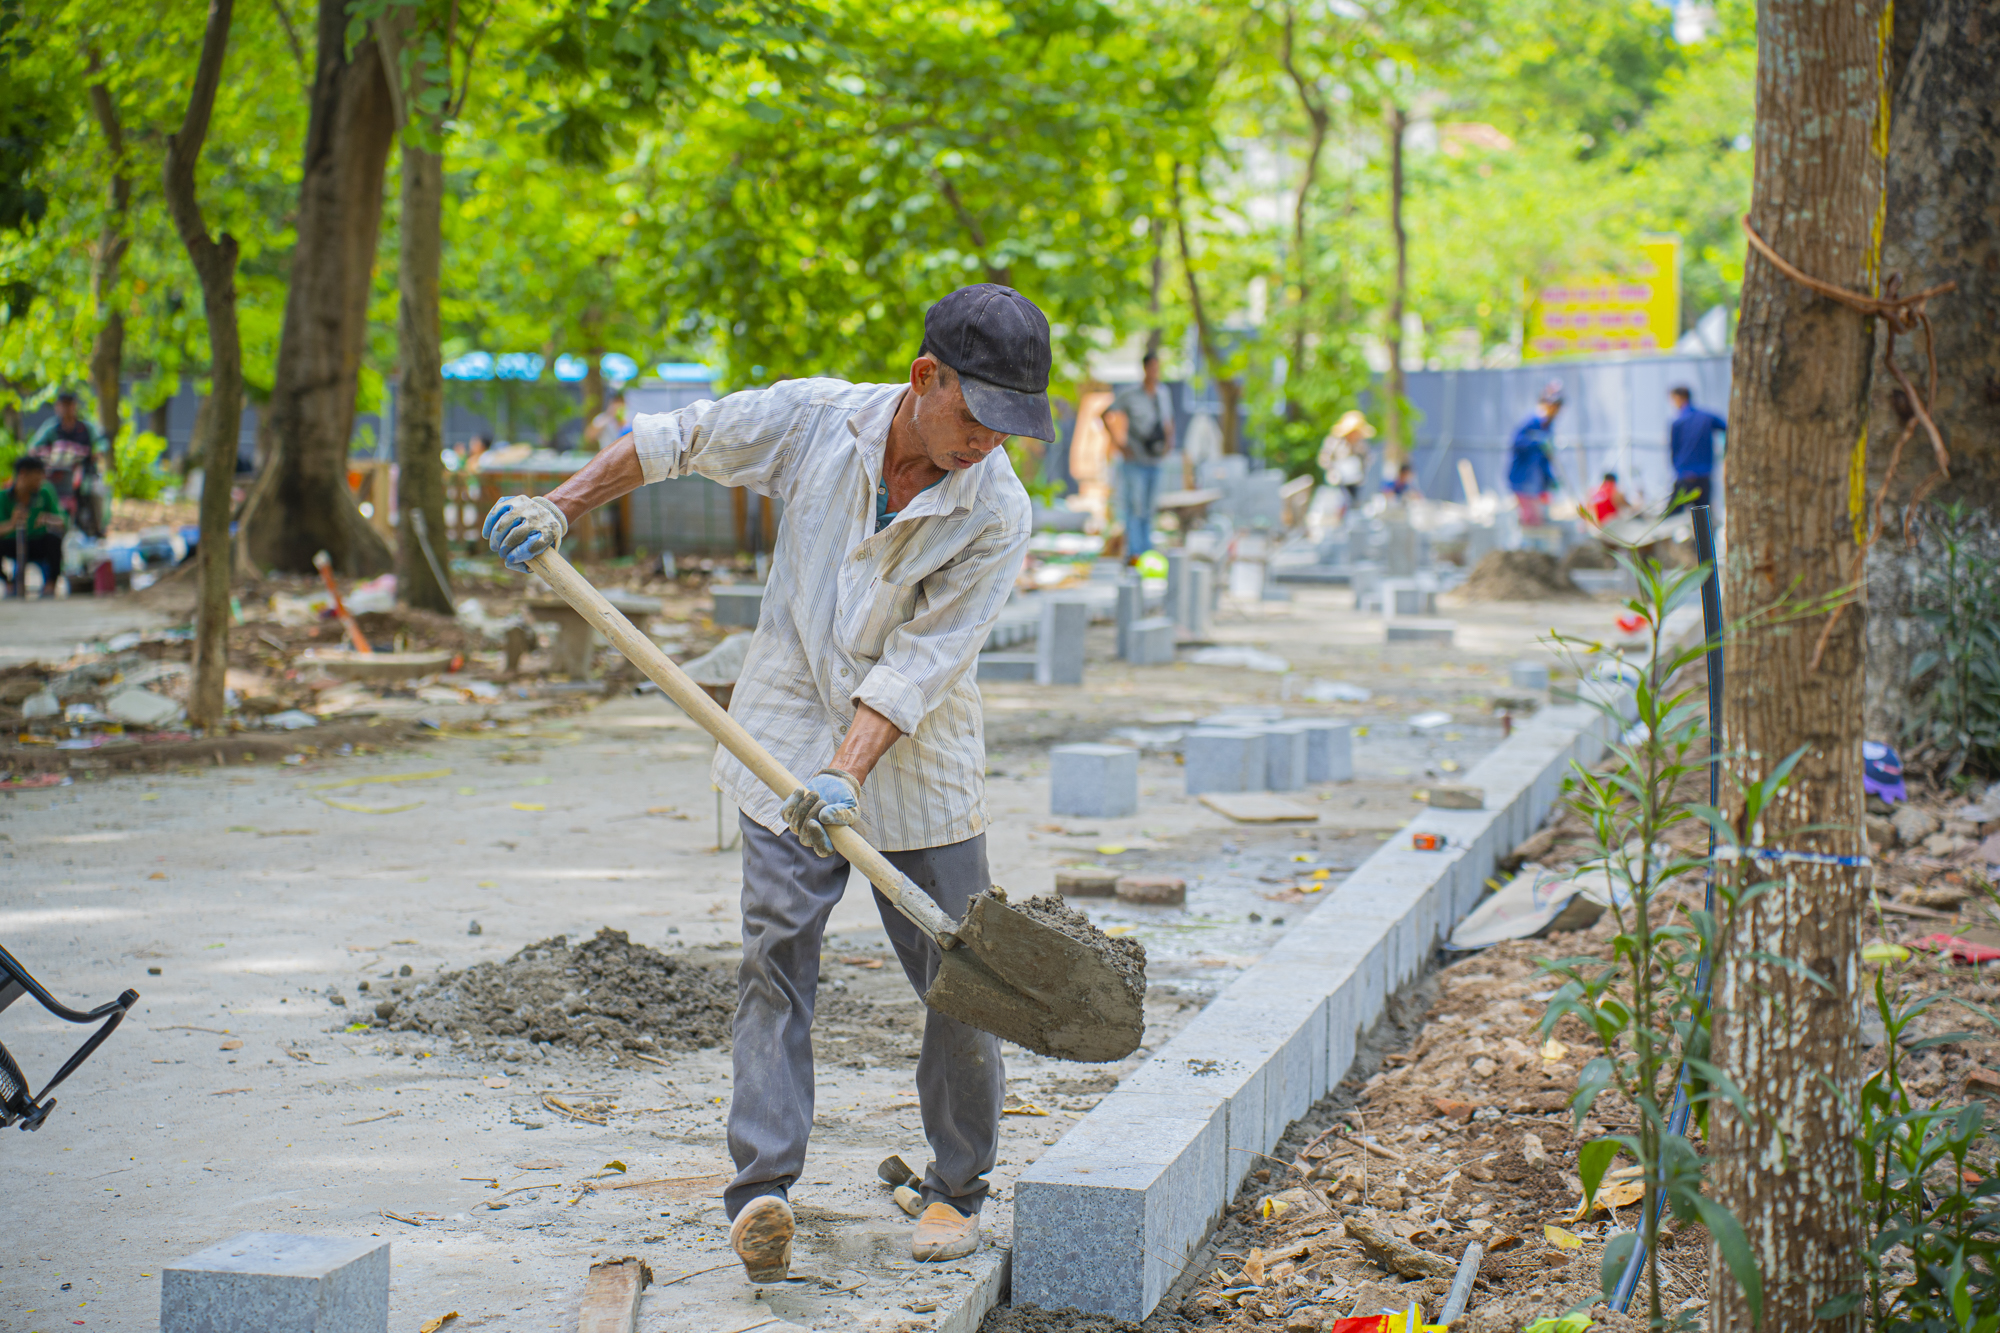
{"x": 924, "y": 374}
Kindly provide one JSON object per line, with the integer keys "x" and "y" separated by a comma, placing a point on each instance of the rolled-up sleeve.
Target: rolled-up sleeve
{"x": 956, "y": 608}
{"x": 748, "y": 439}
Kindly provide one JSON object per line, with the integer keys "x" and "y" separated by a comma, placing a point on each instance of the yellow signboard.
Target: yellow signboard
{"x": 1591, "y": 314}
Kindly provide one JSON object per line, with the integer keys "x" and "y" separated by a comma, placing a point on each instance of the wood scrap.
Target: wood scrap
{"x": 1386, "y": 1250}
{"x": 611, "y": 1296}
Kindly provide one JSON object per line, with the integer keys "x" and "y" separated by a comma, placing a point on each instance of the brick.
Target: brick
{"x": 1154, "y": 890}
{"x": 278, "y": 1282}
{"x": 1086, "y": 881}
{"x": 1223, "y": 759}
{"x": 1094, "y": 781}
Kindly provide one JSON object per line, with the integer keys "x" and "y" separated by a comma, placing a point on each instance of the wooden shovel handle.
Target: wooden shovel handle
{"x": 643, "y": 653}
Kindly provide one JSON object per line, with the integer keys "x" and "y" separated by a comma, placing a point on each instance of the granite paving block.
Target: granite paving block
{"x": 1059, "y": 644}
{"x": 1098, "y": 1222}
{"x": 1109, "y": 1217}
{"x": 1152, "y": 641}
{"x": 1199, "y": 604}
{"x": 1420, "y": 631}
{"x": 1223, "y": 759}
{"x": 1329, "y": 749}
{"x": 1286, "y": 746}
{"x": 279, "y": 1282}
{"x": 1528, "y": 675}
{"x": 737, "y": 605}
{"x": 1094, "y": 781}
{"x": 1131, "y": 608}
{"x": 1006, "y": 666}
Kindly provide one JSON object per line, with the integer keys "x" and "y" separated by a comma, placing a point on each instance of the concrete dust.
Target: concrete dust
{"x": 1517, "y": 576}
{"x": 605, "y": 992}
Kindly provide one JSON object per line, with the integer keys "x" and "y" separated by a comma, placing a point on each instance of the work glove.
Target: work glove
{"x": 521, "y": 527}
{"x": 831, "y": 799}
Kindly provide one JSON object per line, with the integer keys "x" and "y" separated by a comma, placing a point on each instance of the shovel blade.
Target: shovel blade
{"x": 1032, "y": 985}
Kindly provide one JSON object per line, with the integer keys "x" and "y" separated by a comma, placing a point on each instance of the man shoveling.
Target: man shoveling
{"x": 904, "y": 530}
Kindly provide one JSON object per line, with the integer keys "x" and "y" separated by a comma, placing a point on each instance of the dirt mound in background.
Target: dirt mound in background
{"x": 1518, "y": 576}
{"x": 1590, "y": 555}
{"x": 605, "y": 992}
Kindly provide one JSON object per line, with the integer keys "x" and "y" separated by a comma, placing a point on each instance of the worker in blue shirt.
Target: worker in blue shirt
{"x": 1531, "y": 471}
{"x": 1691, "y": 440}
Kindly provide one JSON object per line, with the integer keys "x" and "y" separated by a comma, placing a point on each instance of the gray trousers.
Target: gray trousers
{"x": 788, "y": 893}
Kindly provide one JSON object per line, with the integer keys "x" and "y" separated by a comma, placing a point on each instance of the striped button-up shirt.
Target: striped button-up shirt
{"x": 851, "y": 616}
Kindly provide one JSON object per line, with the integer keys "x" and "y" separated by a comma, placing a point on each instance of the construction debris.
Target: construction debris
{"x": 605, "y": 993}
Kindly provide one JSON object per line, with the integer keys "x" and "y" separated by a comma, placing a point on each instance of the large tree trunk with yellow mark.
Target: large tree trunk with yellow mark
{"x": 1944, "y": 200}
{"x": 1789, "y": 1171}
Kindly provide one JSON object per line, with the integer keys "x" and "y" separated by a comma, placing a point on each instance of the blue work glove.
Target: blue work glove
{"x": 521, "y": 527}
{"x": 831, "y": 799}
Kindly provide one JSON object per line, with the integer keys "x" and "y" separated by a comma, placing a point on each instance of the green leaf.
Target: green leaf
{"x": 1593, "y": 1159}
{"x": 1617, "y": 1254}
{"x": 1735, "y": 1248}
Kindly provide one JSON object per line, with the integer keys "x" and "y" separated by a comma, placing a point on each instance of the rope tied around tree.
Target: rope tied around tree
{"x": 1899, "y": 315}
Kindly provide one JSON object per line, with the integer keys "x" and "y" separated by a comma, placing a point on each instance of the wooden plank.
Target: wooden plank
{"x": 611, "y": 1296}
{"x": 1257, "y": 807}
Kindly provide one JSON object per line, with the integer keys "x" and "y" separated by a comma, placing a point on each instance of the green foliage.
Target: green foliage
{"x": 1957, "y": 598}
{"x": 1931, "y": 1198}
{"x": 1644, "y": 1005}
{"x": 138, "y": 475}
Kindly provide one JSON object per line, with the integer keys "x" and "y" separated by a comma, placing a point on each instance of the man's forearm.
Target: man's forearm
{"x": 867, "y": 740}
{"x": 613, "y": 473}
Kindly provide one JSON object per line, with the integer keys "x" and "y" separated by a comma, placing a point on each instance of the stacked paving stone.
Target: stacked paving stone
{"x": 1262, "y": 750}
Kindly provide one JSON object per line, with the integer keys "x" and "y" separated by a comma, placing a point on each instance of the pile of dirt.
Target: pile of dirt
{"x": 605, "y": 992}
{"x": 1590, "y": 555}
{"x": 1126, "y": 956}
{"x": 1518, "y": 576}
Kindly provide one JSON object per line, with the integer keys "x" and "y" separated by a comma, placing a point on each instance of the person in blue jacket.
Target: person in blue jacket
{"x": 1531, "y": 472}
{"x": 1691, "y": 440}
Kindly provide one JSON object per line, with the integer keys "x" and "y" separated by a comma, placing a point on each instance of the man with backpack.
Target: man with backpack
{"x": 1141, "y": 422}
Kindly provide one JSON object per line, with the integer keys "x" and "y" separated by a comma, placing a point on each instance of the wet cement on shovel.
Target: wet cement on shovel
{"x": 1041, "y": 976}
{"x": 1127, "y": 957}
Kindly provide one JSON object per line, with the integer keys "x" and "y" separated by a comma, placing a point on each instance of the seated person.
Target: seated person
{"x": 31, "y": 526}
{"x": 68, "y": 444}
{"x": 1607, "y": 501}
{"x": 1404, "y": 487}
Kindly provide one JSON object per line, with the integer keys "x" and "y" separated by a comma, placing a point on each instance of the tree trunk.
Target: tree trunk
{"x": 1230, "y": 389}
{"x": 1944, "y": 195}
{"x": 1789, "y": 1172}
{"x": 1395, "y": 122}
{"x": 214, "y": 260}
{"x": 301, "y": 504}
{"x": 422, "y": 576}
{"x": 1313, "y": 103}
{"x": 107, "y": 350}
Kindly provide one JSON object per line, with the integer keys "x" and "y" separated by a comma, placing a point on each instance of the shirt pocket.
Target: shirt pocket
{"x": 867, "y": 619}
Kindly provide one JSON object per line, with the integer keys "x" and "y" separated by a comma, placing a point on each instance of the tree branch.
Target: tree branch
{"x": 291, "y": 36}
{"x": 1000, "y": 274}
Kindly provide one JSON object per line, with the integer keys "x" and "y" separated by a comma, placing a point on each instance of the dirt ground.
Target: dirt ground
{"x": 238, "y": 1096}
